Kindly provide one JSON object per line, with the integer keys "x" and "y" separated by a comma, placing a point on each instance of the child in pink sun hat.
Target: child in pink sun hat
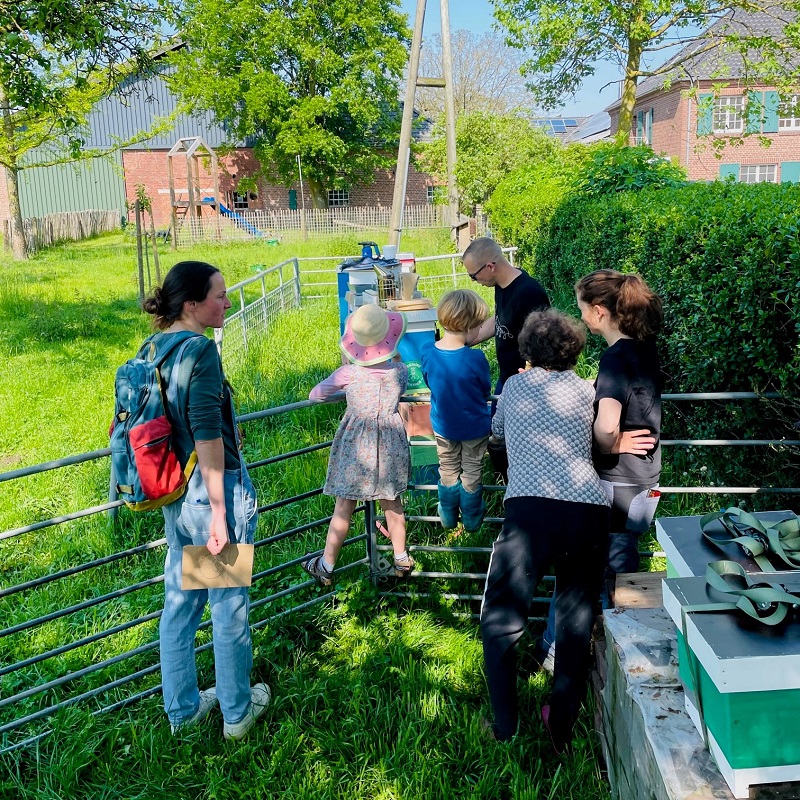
{"x": 370, "y": 457}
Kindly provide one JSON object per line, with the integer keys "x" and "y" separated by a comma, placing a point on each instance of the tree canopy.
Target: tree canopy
{"x": 488, "y": 146}
{"x": 486, "y": 75}
{"x": 568, "y": 37}
{"x": 58, "y": 58}
{"x": 313, "y": 78}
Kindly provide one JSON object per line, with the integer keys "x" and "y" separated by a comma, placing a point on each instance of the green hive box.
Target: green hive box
{"x": 742, "y": 684}
{"x": 688, "y": 552}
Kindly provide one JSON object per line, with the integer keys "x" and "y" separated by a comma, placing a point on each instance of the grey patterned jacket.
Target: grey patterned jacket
{"x": 546, "y": 419}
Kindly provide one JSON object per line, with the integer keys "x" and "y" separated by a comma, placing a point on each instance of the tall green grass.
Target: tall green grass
{"x": 373, "y": 697}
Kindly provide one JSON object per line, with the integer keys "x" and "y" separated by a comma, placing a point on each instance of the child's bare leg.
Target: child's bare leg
{"x": 396, "y": 523}
{"x": 338, "y": 528}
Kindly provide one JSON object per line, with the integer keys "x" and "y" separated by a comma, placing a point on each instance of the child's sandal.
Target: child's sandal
{"x": 402, "y": 569}
{"x": 313, "y": 566}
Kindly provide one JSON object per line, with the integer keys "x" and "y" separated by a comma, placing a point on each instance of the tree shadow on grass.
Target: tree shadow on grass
{"x": 35, "y": 326}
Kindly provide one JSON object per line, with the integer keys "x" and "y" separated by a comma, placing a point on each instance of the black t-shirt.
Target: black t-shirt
{"x": 511, "y": 306}
{"x": 630, "y": 373}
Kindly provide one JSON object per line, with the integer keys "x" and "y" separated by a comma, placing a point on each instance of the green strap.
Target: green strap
{"x": 781, "y": 539}
{"x": 784, "y": 539}
{"x": 764, "y": 602}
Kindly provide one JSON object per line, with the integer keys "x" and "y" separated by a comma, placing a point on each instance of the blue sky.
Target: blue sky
{"x": 476, "y": 16}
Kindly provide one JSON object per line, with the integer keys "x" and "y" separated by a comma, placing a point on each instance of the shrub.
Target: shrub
{"x": 725, "y": 259}
{"x": 524, "y": 201}
{"x": 614, "y": 168}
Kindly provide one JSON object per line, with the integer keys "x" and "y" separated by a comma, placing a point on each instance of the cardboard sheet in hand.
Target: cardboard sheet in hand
{"x": 231, "y": 568}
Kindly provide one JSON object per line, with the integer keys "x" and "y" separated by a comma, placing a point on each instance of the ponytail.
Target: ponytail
{"x": 635, "y": 308}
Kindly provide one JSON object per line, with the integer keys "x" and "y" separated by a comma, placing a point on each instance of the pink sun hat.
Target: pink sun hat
{"x": 371, "y": 335}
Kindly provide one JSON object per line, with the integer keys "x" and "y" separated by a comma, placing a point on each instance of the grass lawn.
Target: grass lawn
{"x": 374, "y": 697}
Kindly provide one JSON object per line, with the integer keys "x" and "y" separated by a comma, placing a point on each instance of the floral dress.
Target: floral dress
{"x": 370, "y": 457}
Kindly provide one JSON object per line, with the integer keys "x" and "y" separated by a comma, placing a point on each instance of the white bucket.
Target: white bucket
{"x": 389, "y": 252}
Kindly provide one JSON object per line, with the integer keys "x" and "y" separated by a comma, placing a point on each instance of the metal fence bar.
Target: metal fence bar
{"x": 731, "y": 442}
{"x": 310, "y": 583}
{"x": 49, "y": 523}
{"x": 284, "y": 456}
{"x": 94, "y": 601}
{"x": 36, "y": 469}
{"x": 431, "y": 487}
{"x": 81, "y": 673}
{"x": 149, "y": 670}
{"x": 453, "y": 277}
{"x": 288, "y": 501}
{"x": 95, "y": 637}
{"x": 98, "y": 562}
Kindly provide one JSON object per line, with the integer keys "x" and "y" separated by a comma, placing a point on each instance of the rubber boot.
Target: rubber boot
{"x": 473, "y": 509}
{"x": 449, "y": 499}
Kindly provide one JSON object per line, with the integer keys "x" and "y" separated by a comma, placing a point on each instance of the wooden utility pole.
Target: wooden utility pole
{"x": 404, "y": 152}
{"x": 450, "y": 117}
{"x": 303, "y": 228}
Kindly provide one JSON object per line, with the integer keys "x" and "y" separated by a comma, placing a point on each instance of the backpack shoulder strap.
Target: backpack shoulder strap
{"x": 171, "y": 397}
{"x": 178, "y": 339}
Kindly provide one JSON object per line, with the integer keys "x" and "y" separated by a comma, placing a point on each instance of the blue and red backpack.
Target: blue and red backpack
{"x": 145, "y": 467}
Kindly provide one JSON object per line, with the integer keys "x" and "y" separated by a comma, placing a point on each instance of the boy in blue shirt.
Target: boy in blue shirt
{"x": 460, "y": 385}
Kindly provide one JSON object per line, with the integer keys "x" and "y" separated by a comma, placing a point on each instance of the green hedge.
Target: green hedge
{"x": 725, "y": 259}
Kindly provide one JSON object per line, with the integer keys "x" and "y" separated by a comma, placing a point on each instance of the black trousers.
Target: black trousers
{"x": 538, "y": 532}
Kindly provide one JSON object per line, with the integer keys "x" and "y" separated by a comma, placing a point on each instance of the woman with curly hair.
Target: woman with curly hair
{"x": 556, "y": 512}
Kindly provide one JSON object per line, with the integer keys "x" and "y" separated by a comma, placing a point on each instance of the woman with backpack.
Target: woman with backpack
{"x": 218, "y": 506}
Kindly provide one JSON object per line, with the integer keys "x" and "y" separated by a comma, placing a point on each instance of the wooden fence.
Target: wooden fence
{"x": 41, "y": 232}
{"x": 288, "y": 224}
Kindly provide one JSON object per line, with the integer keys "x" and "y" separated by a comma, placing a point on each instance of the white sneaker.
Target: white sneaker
{"x": 259, "y": 700}
{"x": 208, "y": 701}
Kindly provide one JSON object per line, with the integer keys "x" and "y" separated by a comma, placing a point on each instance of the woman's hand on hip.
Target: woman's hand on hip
{"x": 637, "y": 443}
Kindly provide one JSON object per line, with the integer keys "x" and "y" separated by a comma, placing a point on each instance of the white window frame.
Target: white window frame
{"x": 728, "y": 114}
{"x": 789, "y": 114}
{"x": 758, "y": 173}
{"x": 647, "y": 127}
{"x": 435, "y": 194}
{"x": 338, "y": 198}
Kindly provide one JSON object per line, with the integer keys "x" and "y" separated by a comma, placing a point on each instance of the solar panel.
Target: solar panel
{"x": 558, "y": 126}
{"x": 571, "y": 123}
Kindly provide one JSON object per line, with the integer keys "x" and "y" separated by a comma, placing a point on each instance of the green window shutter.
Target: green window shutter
{"x": 790, "y": 171}
{"x": 729, "y": 169}
{"x": 292, "y": 199}
{"x": 705, "y": 114}
{"x": 639, "y": 126}
{"x": 771, "y": 105}
{"x": 754, "y": 110}
{"x": 650, "y": 115}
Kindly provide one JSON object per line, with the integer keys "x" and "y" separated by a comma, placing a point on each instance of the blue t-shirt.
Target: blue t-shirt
{"x": 460, "y": 385}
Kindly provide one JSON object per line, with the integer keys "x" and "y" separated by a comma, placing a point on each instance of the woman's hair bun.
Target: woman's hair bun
{"x": 155, "y": 303}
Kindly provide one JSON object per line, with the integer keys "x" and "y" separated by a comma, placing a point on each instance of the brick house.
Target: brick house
{"x": 681, "y": 126}
{"x": 110, "y": 183}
